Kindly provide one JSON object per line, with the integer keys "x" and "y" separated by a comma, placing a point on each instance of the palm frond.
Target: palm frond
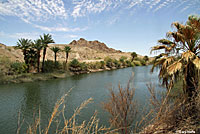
{"x": 173, "y": 68}
{"x": 196, "y": 62}
{"x": 188, "y": 55}
{"x": 158, "y": 47}
{"x": 165, "y": 41}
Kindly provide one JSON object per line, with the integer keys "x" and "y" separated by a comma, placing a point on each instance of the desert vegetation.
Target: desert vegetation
{"x": 32, "y": 64}
{"x": 179, "y": 64}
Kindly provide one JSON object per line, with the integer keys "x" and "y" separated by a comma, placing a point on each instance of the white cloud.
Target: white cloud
{"x": 31, "y": 35}
{"x": 33, "y": 10}
{"x": 59, "y": 29}
{"x": 83, "y": 7}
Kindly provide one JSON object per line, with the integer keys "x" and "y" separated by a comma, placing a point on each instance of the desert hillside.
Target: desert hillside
{"x": 83, "y": 50}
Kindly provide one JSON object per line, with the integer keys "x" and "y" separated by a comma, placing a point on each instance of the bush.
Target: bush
{"x": 117, "y": 63}
{"x": 128, "y": 63}
{"x": 83, "y": 66}
{"x": 18, "y": 68}
{"x": 74, "y": 63}
{"x": 109, "y": 62}
{"x": 122, "y": 60}
{"x": 137, "y": 63}
{"x": 50, "y": 66}
{"x": 76, "y": 66}
{"x": 102, "y": 64}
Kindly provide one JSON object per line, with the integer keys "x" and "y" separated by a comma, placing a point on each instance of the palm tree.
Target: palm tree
{"x": 55, "y": 50}
{"x": 38, "y": 46}
{"x": 146, "y": 58}
{"x": 67, "y": 49}
{"x": 24, "y": 45}
{"x": 46, "y": 39}
{"x": 175, "y": 65}
{"x": 134, "y": 55}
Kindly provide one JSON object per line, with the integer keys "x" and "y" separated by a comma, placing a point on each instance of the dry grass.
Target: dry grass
{"x": 70, "y": 125}
{"x": 172, "y": 116}
{"x": 122, "y": 108}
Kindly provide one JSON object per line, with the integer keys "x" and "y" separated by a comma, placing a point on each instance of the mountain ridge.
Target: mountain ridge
{"x": 83, "y": 50}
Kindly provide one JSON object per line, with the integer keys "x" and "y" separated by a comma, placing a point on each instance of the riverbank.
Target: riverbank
{"x": 32, "y": 77}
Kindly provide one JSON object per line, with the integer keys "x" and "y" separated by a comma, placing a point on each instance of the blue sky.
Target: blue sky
{"x": 127, "y": 25}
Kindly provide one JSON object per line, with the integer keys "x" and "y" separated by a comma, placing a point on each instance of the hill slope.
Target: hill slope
{"x": 83, "y": 50}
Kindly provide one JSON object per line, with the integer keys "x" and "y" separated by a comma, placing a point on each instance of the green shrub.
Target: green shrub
{"x": 18, "y": 67}
{"x": 109, "y": 62}
{"x": 128, "y": 63}
{"x": 50, "y": 66}
{"x": 83, "y": 66}
{"x": 102, "y": 64}
{"x": 74, "y": 63}
{"x": 132, "y": 64}
{"x": 137, "y": 63}
{"x": 122, "y": 59}
{"x": 117, "y": 63}
{"x": 143, "y": 62}
{"x": 76, "y": 66}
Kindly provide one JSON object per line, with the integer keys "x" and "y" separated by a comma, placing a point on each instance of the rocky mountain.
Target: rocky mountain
{"x": 96, "y": 45}
{"x": 83, "y": 50}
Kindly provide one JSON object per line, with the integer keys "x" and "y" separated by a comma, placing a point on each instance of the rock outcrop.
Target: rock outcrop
{"x": 96, "y": 45}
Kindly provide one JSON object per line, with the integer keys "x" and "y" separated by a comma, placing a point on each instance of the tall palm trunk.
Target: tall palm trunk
{"x": 26, "y": 60}
{"x": 43, "y": 60}
{"x": 191, "y": 80}
{"x": 38, "y": 61}
{"x": 67, "y": 55}
{"x": 55, "y": 59}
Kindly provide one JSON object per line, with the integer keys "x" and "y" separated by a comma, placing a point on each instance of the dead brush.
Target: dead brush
{"x": 70, "y": 125}
{"x": 122, "y": 108}
{"x": 171, "y": 116}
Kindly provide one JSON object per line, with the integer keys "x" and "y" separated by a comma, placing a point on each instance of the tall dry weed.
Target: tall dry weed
{"x": 70, "y": 125}
{"x": 172, "y": 116}
{"x": 122, "y": 108}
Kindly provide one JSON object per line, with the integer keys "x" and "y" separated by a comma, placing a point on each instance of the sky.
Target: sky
{"x": 127, "y": 25}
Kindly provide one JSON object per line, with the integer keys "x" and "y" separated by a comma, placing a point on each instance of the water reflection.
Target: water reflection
{"x": 30, "y": 96}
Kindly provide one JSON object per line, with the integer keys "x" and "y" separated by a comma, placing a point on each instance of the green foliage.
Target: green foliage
{"x": 134, "y": 55}
{"x": 137, "y": 63}
{"x": 123, "y": 60}
{"x": 18, "y": 68}
{"x": 74, "y": 63}
{"x": 55, "y": 49}
{"x": 117, "y": 63}
{"x": 51, "y": 66}
{"x": 67, "y": 49}
{"x": 46, "y": 39}
{"x": 76, "y": 66}
{"x": 83, "y": 66}
{"x": 102, "y": 64}
{"x": 128, "y": 63}
{"x": 95, "y": 65}
{"x": 109, "y": 62}
{"x": 146, "y": 58}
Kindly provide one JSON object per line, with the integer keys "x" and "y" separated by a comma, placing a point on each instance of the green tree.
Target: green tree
{"x": 133, "y": 55}
{"x": 38, "y": 46}
{"x": 46, "y": 39}
{"x": 146, "y": 58}
{"x": 175, "y": 65}
{"x": 24, "y": 45}
{"x": 67, "y": 49}
{"x": 55, "y": 50}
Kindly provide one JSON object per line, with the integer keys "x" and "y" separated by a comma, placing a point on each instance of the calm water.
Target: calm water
{"x": 27, "y": 98}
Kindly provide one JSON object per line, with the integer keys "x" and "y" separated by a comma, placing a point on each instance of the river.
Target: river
{"x": 27, "y": 98}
